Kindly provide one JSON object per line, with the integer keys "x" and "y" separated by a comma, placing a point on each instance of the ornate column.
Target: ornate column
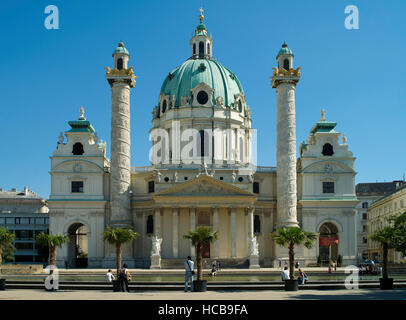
{"x": 285, "y": 79}
{"x": 216, "y": 228}
{"x": 121, "y": 80}
{"x": 253, "y": 253}
{"x": 175, "y": 232}
{"x": 192, "y": 215}
{"x": 156, "y": 241}
{"x": 233, "y": 223}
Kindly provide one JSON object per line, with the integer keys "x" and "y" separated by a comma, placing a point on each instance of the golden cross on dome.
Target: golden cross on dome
{"x": 201, "y": 17}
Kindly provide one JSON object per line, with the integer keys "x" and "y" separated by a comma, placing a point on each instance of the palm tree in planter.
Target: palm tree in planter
{"x": 391, "y": 237}
{"x": 6, "y": 247}
{"x": 200, "y": 237}
{"x": 289, "y": 237}
{"x": 52, "y": 242}
{"x": 118, "y": 237}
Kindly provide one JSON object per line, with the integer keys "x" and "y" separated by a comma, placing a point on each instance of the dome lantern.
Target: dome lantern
{"x": 201, "y": 44}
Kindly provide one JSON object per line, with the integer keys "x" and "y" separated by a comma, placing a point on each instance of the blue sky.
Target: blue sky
{"x": 358, "y": 76}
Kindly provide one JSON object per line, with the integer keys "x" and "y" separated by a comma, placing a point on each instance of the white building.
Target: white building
{"x": 202, "y": 173}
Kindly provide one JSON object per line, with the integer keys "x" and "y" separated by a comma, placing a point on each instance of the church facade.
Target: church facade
{"x": 202, "y": 173}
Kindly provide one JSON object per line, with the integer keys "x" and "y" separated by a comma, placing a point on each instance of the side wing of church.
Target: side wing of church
{"x": 202, "y": 174}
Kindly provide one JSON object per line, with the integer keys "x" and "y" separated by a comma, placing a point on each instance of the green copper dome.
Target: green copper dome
{"x": 195, "y": 71}
{"x": 121, "y": 49}
{"x": 284, "y": 50}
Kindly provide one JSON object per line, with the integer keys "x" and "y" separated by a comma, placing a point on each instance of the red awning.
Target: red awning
{"x": 324, "y": 241}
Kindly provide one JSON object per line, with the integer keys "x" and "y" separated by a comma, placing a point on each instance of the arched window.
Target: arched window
{"x": 239, "y": 106}
{"x": 257, "y": 224}
{"x": 201, "y": 50}
{"x": 78, "y": 149}
{"x": 208, "y": 48}
{"x": 164, "y": 106}
{"x": 201, "y": 133}
{"x": 327, "y": 150}
{"x": 194, "y": 48}
{"x": 119, "y": 63}
{"x": 286, "y": 64}
{"x": 150, "y": 224}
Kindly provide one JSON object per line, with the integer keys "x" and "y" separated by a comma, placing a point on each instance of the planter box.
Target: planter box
{"x": 291, "y": 285}
{"x": 2, "y": 284}
{"x": 116, "y": 286}
{"x": 386, "y": 283}
{"x": 200, "y": 285}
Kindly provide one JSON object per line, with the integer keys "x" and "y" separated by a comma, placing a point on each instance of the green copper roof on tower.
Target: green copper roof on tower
{"x": 121, "y": 49}
{"x": 284, "y": 50}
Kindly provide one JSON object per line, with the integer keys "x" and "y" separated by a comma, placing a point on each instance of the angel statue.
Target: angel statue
{"x": 156, "y": 246}
{"x": 253, "y": 246}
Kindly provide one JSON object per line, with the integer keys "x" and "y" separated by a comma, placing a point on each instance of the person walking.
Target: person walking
{"x": 189, "y": 266}
{"x": 124, "y": 277}
{"x": 330, "y": 269}
{"x": 335, "y": 266}
{"x": 302, "y": 277}
{"x": 110, "y": 276}
{"x": 285, "y": 274}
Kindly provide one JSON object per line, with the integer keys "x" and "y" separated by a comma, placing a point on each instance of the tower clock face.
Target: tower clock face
{"x": 202, "y": 97}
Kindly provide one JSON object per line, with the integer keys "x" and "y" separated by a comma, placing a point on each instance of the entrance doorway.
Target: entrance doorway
{"x": 328, "y": 243}
{"x": 78, "y": 246}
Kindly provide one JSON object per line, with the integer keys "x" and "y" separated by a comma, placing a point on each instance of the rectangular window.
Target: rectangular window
{"x": 39, "y": 221}
{"x": 24, "y": 235}
{"x": 77, "y": 186}
{"x": 24, "y": 246}
{"x": 256, "y": 187}
{"x": 151, "y": 186}
{"x": 25, "y": 220}
{"x": 364, "y": 228}
{"x": 328, "y": 187}
{"x": 364, "y": 216}
{"x": 9, "y": 220}
{"x": 17, "y": 220}
{"x": 2, "y": 221}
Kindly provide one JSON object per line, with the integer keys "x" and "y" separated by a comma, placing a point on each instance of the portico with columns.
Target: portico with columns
{"x": 204, "y": 201}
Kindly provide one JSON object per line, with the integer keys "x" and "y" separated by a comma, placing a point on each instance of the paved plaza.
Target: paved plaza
{"x": 364, "y": 294}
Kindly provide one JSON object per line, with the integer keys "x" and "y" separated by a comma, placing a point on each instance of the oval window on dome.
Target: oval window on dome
{"x": 164, "y": 106}
{"x": 239, "y": 106}
{"x": 202, "y": 97}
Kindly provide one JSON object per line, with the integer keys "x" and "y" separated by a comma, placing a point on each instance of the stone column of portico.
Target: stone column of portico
{"x": 233, "y": 223}
{"x": 253, "y": 254}
{"x": 175, "y": 234}
{"x": 157, "y": 218}
{"x": 216, "y": 228}
{"x": 156, "y": 258}
{"x": 192, "y": 215}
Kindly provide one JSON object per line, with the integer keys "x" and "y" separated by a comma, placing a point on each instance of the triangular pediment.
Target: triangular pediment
{"x": 205, "y": 186}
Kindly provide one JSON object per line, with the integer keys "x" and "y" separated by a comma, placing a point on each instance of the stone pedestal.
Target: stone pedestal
{"x": 155, "y": 262}
{"x": 254, "y": 262}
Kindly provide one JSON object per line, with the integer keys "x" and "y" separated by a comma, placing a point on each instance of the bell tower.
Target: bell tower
{"x": 121, "y": 80}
